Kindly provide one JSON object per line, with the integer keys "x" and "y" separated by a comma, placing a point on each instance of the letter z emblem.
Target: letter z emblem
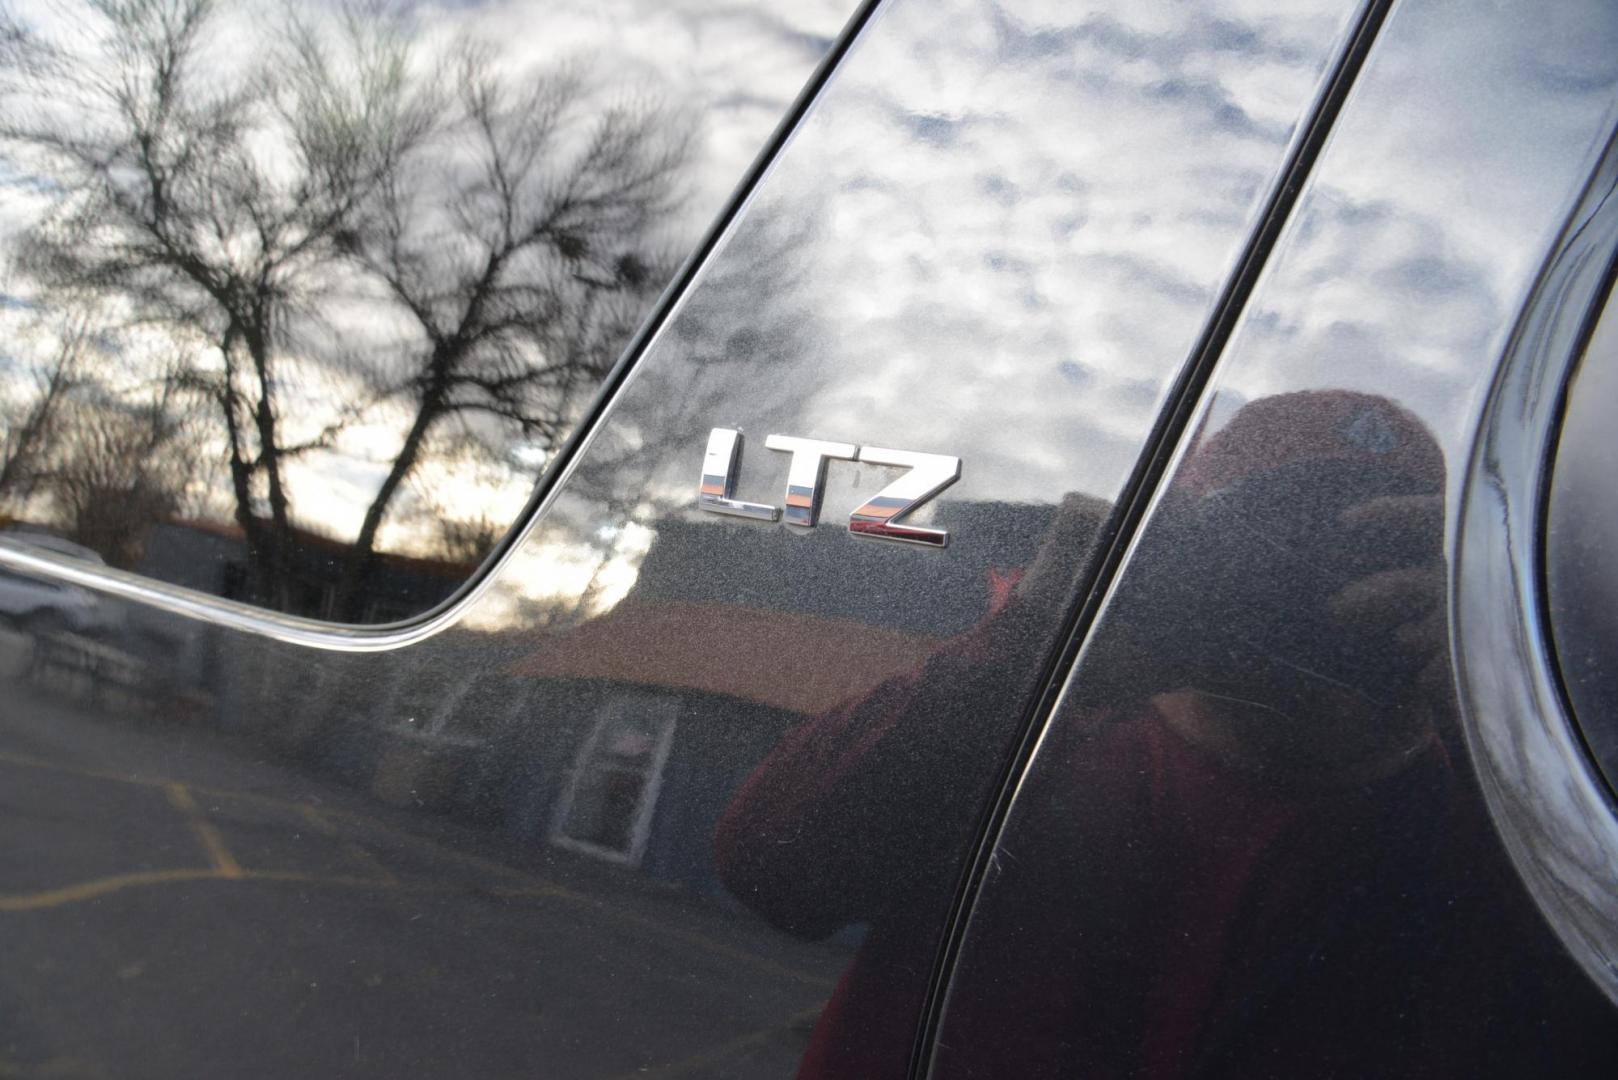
{"x": 878, "y": 517}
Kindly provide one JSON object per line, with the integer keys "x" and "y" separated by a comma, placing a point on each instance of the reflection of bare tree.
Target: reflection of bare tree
{"x": 515, "y": 226}
{"x": 119, "y": 467}
{"x": 755, "y": 307}
{"x": 30, "y": 418}
{"x": 461, "y": 533}
{"x": 521, "y": 242}
{"x": 99, "y": 457}
{"x": 203, "y": 203}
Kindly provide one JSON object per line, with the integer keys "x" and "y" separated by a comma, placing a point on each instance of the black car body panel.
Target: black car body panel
{"x": 1158, "y": 768}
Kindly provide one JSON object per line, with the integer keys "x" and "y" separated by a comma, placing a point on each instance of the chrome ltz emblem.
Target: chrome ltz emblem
{"x": 879, "y": 516}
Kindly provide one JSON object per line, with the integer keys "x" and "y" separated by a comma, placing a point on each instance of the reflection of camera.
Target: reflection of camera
{"x": 1200, "y": 565}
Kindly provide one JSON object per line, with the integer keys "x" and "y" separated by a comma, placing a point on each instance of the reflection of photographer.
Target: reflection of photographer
{"x": 1297, "y": 567}
{"x": 861, "y": 815}
{"x": 1262, "y": 784}
{"x": 1256, "y": 763}
{"x": 1228, "y": 843}
{"x": 1252, "y": 847}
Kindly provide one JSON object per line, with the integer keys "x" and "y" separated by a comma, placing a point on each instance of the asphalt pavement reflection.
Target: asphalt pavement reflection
{"x": 124, "y": 876}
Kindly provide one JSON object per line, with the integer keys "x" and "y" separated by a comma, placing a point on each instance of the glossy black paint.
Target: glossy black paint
{"x": 1253, "y": 839}
{"x": 673, "y": 795}
{"x": 631, "y": 805}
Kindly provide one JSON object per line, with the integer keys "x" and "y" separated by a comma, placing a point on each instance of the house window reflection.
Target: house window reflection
{"x": 608, "y": 806}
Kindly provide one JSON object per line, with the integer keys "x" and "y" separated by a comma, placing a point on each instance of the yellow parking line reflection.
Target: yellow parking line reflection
{"x": 224, "y": 863}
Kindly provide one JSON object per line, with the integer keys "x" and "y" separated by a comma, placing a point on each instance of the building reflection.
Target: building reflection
{"x": 583, "y": 763}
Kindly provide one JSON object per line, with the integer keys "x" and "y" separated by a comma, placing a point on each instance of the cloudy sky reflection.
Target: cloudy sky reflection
{"x": 1422, "y": 228}
{"x": 997, "y": 237}
{"x": 1021, "y": 224}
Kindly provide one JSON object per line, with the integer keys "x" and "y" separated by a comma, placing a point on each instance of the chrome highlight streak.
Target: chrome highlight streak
{"x": 879, "y": 516}
{"x": 719, "y": 479}
{"x": 806, "y": 476}
{"x": 1541, "y": 785}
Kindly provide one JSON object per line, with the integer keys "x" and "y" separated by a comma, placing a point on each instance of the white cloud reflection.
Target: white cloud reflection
{"x": 1014, "y": 221}
{"x": 1019, "y": 224}
{"x": 1004, "y": 227}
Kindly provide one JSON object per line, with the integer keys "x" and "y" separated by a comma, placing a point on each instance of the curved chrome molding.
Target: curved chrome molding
{"x": 292, "y": 629}
{"x": 1541, "y": 787}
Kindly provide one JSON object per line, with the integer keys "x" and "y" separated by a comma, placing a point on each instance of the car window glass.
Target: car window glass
{"x": 300, "y": 299}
